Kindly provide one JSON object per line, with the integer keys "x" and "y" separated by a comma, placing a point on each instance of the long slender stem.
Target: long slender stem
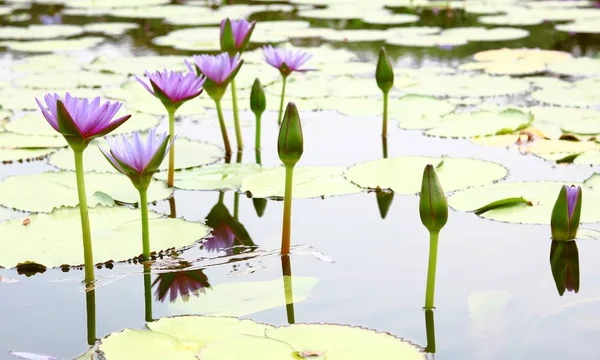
{"x": 257, "y": 137}
{"x": 430, "y": 331}
{"x": 236, "y": 195}
{"x": 221, "y": 197}
{"x": 385, "y": 146}
{"x": 433, "y": 248}
{"x": 171, "y": 175}
{"x": 90, "y": 309}
{"x": 236, "y": 117}
{"x": 88, "y": 254}
{"x": 172, "y": 207}
{"x": 148, "y": 292}
{"x": 145, "y": 226}
{"x": 286, "y": 267}
{"x": 279, "y": 118}
{"x": 385, "y": 115}
{"x": 223, "y": 129}
{"x": 287, "y": 210}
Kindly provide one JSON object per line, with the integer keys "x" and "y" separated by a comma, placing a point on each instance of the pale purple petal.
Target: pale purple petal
{"x": 135, "y": 152}
{"x": 572, "y": 195}
{"x": 293, "y": 59}
{"x": 169, "y": 82}
{"x": 217, "y": 67}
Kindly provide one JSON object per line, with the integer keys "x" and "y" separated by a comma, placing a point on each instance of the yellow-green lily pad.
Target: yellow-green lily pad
{"x": 480, "y": 123}
{"x": 215, "y": 177}
{"x": 43, "y": 46}
{"x": 469, "y": 86}
{"x": 567, "y": 97}
{"x": 68, "y": 80}
{"x": 10, "y": 155}
{"x": 137, "y": 65}
{"x": 17, "y": 141}
{"x": 110, "y": 28}
{"x": 39, "y": 32}
{"x": 576, "y": 67}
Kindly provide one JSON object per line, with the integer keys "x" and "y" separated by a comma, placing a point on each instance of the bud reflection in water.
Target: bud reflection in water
{"x": 564, "y": 262}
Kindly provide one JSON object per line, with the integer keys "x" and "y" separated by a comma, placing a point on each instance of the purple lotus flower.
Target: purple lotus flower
{"x": 572, "y": 195}
{"x": 80, "y": 120}
{"x": 219, "y": 69}
{"x": 566, "y": 213}
{"x": 241, "y": 30}
{"x": 173, "y": 87}
{"x": 138, "y": 159}
{"x": 286, "y": 60}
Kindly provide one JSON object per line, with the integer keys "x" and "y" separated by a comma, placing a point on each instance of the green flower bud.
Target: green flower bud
{"x": 258, "y": 101}
{"x": 290, "y": 145}
{"x": 432, "y": 205}
{"x": 227, "y": 40}
{"x": 566, "y": 213}
{"x": 564, "y": 262}
{"x": 384, "y": 73}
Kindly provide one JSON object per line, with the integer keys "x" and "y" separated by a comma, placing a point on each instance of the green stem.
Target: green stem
{"x": 236, "y": 116}
{"x": 257, "y": 137}
{"x": 287, "y": 210}
{"x": 171, "y": 175}
{"x": 223, "y": 129}
{"x": 90, "y": 307}
{"x": 172, "y": 207}
{"x": 258, "y": 158}
{"x": 145, "y": 227}
{"x": 286, "y": 267}
{"x": 430, "y": 330}
{"x": 88, "y": 254}
{"x": 148, "y": 292}
{"x": 385, "y": 115}
{"x": 385, "y": 147}
{"x": 279, "y": 118}
{"x": 221, "y": 197}
{"x": 433, "y": 247}
{"x": 236, "y": 195}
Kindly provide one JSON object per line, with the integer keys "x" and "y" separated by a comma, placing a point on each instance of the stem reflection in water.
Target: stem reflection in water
{"x": 286, "y": 267}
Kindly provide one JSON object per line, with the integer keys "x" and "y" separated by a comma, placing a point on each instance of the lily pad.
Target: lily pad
{"x": 215, "y": 177}
{"x": 387, "y": 18}
{"x": 43, "y": 46}
{"x": 110, "y": 28}
{"x": 516, "y": 19}
{"x": 16, "y": 141}
{"x": 404, "y": 174}
{"x": 309, "y": 182}
{"x": 576, "y": 67}
{"x": 112, "y": 3}
{"x": 245, "y": 298}
{"x": 9, "y": 155}
{"x": 419, "y": 112}
{"x": 542, "y": 195}
{"x": 188, "y": 153}
{"x": 39, "y": 32}
{"x": 567, "y": 97}
{"x": 485, "y": 34}
{"x": 46, "y": 191}
{"x": 41, "y": 64}
{"x": 115, "y": 231}
{"x": 193, "y": 337}
{"x": 469, "y": 86}
{"x": 537, "y": 55}
{"x": 137, "y": 65}
{"x": 581, "y": 27}
{"x": 68, "y": 80}
{"x": 480, "y": 123}
{"x": 588, "y": 158}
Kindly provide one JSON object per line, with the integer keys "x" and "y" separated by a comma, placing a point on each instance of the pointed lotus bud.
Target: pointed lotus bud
{"x": 566, "y": 213}
{"x": 432, "y": 205}
{"x": 384, "y": 200}
{"x": 564, "y": 262}
{"x": 227, "y": 40}
{"x": 290, "y": 145}
{"x": 258, "y": 101}
{"x": 384, "y": 73}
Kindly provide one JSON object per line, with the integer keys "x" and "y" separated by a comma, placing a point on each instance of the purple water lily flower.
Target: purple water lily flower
{"x": 241, "y": 30}
{"x": 173, "y": 87}
{"x": 286, "y": 60}
{"x": 566, "y": 213}
{"x": 80, "y": 120}
{"x": 219, "y": 69}
{"x": 137, "y": 158}
{"x": 572, "y": 195}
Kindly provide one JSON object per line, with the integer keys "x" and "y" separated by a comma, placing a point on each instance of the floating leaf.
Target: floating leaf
{"x": 39, "y": 32}
{"x": 469, "y": 86}
{"x": 115, "y": 231}
{"x": 136, "y": 65}
{"x": 308, "y": 182}
{"x": 567, "y": 97}
{"x": 419, "y": 112}
{"x": 68, "y": 80}
{"x": 53, "y": 45}
{"x": 456, "y": 173}
{"x": 480, "y": 123}
{"x": 189, "y": 153}
{"x": 46, "y": 191}
{"x": 8, "y": 155}
{"x": 215, "y": 177}
{"x": 16, "y": 141}
{"x": 110, "y": 28}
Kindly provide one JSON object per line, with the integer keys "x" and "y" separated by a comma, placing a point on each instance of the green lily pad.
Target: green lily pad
{"x": 68, "y": 80}
{"x": 39, "y": 32}
{"x": 35, "y": 124}
{"x": 245, "y": 298}
{"x": 484, "y": 34}
{"x": 188, "y": 153}
{"x": 438, "y": 40}
{"x": 583, "y": 127}
{"x": 567, "y": 97}
{"x": 137, "y": 65}
{"x": 110, "y": 28}
{"x": 116, "y": 233}
{"x": 43, "y": 46}
{"x": 112, "y": 3}
{"x": 515, "y": 68}
{"x": 454, "y": 173}
{"x": 215, "y": 177}
{"x": 480, "y": 123}
{"x": 387, "y": 18}
{"x": 193, "y": 337}
{"x": 42, "y": 64}
{"x": 537, "y": 55}
{"x": 562, "y": 116}
{"x": 355, "y": 35}
{"x": 419, "y": 112}
{"x": 591, "y": 157}
{"x": 16, "y": 141}
{"x": 309, "y": 182}
{"x": 46, "y": 191}
{"x": 9, "y": 155}
{"x": 541, "y": 194}
{"x": 591, "y": 26}
{"x": 515, "y": 19}
{"x": 469, "y": 86}
{"x": 576, "y": 67}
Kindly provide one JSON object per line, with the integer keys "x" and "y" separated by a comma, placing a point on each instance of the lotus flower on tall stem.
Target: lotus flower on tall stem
{"x": 286, "y": 61}
{"x": 173, "y": 89}
{"x": 433, "y": 210}
{"x": 81, "y": 121}
{"x": 290, "y": 146}
{"x": 235, "y": 36}
{"x": 258, "y": 105}
{"x": 219, "y": 71}
{"x": 139, "y": 159}
{"x": 566, "y": 213}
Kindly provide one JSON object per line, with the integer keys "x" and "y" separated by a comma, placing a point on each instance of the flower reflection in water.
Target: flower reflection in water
{"x": 564, "y": 262}
{"x": 228, "y": 234}
{"x": 180, "y": 284}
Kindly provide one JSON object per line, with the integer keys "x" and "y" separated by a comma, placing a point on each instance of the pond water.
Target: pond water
{"x": 496, "y": 297}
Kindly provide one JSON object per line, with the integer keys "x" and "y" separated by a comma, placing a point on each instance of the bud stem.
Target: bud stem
{"x": 172, "y": 207}
{"x": 279, "y": 118}
{"x": 236, "y": 117}
{"x": 90, "y": 310}
{"x": 171, "y": 175}
{"x": 287, "y": 210}
{"x": 385, "y": 116}
{"x": 385, "y": 147}
{"x": 148, "y": 293}
{"x": 430, "y": 330}
{"x": 223, "y": 129}
{"x": 88, "y": 254}
{"x": 257, "y": 137}
{"x": 145, "y": 228}
{"x": 433, "y": 248}
{"x": 286, "y": 268}
{"x": 236, "y": 195}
